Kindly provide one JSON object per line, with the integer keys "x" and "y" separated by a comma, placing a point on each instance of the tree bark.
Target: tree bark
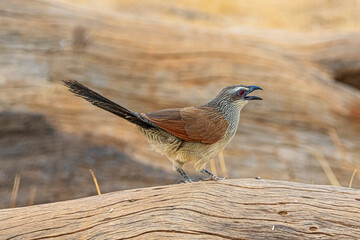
{"x": 229, "y": 209}
{"x": 147, "y": 64}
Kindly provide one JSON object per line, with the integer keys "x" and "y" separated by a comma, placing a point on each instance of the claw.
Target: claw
{"x": 212, "y": 176}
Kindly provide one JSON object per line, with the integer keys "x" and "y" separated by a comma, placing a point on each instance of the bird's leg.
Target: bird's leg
{"x": 182, "y": 173}
{"x": 211, "y": 175}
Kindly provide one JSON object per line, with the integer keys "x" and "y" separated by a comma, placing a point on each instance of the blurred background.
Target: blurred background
{"x": 154, "y": 54}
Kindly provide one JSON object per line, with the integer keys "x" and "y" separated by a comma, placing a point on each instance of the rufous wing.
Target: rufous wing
{"x": 193, "y": 124}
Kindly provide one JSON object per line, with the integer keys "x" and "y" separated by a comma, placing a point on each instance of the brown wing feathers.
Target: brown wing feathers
{"x": 195, "y": 124}
{"x": 205, "y": 124}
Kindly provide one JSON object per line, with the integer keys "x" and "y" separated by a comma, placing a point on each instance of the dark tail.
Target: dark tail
{"x": 104, "y": 103}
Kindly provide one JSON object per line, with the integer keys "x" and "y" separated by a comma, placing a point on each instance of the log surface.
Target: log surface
{"x": 147, "y": 64}
{"x": 229, "y": 209}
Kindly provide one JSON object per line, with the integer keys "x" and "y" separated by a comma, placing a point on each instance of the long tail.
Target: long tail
{"x": 96, "y": 99}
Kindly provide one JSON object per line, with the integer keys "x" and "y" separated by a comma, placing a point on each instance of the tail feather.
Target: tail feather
{"x": 96, "y": 99}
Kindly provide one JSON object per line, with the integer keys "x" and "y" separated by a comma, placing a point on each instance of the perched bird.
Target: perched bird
{"x": 192, "y": 134}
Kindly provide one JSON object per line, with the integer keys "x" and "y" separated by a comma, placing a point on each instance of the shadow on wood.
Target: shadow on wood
{"x": 229, "y": 209}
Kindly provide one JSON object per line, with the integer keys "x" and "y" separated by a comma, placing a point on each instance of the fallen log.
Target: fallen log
{"x": 306, "y": 121}
{"x": 229, "y": 209}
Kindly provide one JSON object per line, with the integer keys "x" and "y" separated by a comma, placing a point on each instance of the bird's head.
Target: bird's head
{"x": 237, "y": 95}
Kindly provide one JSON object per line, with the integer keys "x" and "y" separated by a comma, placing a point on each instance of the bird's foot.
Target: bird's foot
{"x": 183, "y": 174}
{"x": 218, "y": 178}
{"x": 212, "y": 177}
{"x": 182, "y": 181}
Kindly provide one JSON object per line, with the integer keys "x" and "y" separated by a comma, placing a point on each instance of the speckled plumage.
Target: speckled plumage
{"x": 192, "y": 134}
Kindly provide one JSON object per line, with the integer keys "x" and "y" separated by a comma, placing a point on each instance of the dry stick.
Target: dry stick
{"x": 326, "y": 168}
{"x": 15, "y": 191}
{"x": 32, "y": 195}
{"x": 223, "y": 165}
{"x": 213, "y": 167}
{"x": 95, "y": 181}
{"x": 336, "y": 140}
{"x": 352, "y": 178}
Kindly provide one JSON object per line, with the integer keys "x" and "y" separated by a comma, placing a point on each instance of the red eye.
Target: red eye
{"x": 241, "y": 92}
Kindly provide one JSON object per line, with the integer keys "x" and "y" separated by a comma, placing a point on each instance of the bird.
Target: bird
{"x": 185, "y": 135}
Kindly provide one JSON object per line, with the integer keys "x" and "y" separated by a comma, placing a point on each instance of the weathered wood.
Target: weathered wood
{"x": 228, "y": 209}
{"x": 147, "y": 64}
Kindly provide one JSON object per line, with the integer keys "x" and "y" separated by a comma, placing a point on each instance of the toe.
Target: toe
{"x": 219, "y": 178}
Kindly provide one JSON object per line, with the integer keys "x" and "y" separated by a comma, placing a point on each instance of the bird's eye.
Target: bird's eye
{"x": 241, "y": 92}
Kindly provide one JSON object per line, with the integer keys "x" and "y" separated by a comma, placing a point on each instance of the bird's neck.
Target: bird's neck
{"x": 230, "y": 110}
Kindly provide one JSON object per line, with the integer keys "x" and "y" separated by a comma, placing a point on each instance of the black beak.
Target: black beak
{"x": 251, "y": 89}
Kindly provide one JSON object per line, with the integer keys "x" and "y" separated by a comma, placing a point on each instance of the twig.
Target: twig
{"x": 340, "y": 147}
{"x": 213, "y": 167}
{"x": 32, "y": 195}
{"x": 15, "y": 191}
{"x": 95, "y": 181}
{"x": 352, "y": 178}
{"x": 336, "y": 140}
{"x": 223, "y": 165}
{"x": 326, "y": 167}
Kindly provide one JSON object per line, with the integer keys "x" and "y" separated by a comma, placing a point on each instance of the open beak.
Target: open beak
{"x": 251, "y": 89}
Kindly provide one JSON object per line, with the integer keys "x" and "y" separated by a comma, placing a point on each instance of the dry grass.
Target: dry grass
{"x": 325, "y": 167}
{"x": 223, "y": 165}
{"x": 352, "y": 178}
{"x": 95, "y": 181}
{"x": 340, "y": 148}
{"x": 332, "y": 133}
{"x": 213, "y": 167}
{"x": 32, "y": 195}
{"x": 337, "y": 143}
{"x": 15, "y": 191}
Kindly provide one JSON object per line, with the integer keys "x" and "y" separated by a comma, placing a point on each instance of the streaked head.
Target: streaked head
{"x": 239, "y": 93}
{"x": 234, "y": 95}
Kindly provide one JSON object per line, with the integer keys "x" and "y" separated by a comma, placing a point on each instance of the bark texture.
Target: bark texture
{"x": 228, "y": 209}
{"x": 307, "y": 120}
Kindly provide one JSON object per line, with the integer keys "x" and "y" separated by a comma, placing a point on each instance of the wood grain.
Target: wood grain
{"x": 147, "y": 64}
{"x": 229, "y": 209}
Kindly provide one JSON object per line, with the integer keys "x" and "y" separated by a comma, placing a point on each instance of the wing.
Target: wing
{"x": 193, "y": 124}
